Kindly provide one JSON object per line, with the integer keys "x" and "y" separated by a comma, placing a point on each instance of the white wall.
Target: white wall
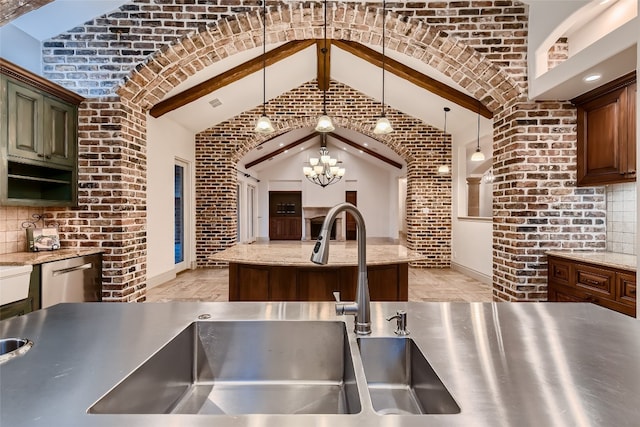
{"x": 471, "y": 238}
{"x": 375, "y": 182}
{"x": 166, "y": 141}
{"x": 21, "y": 49}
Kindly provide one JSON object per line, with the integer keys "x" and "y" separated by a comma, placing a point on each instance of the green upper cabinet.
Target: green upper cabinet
{"x": 38, "y": 140}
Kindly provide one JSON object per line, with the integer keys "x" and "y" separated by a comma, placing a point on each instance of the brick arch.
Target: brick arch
{"x": 150, "y": 81}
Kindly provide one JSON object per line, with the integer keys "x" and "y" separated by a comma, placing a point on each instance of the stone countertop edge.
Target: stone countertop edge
{"x": 299, "y": 254}
{"x": 606, "y": 259}
{"x": 33, "y": 258}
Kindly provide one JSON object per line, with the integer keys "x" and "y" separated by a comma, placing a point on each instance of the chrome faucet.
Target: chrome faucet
{"x": 361, "y": 308}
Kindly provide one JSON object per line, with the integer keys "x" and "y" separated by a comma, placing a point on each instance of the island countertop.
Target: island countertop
{"x": 299, "y": 254}
{"x": 505, "y": 364}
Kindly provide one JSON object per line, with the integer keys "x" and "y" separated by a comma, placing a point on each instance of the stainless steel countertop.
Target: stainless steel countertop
{"x": 506, "y": 364}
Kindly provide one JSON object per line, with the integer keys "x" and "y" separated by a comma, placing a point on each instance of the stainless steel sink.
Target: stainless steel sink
{"x": 401, "y": 380}
{"x": 243, "y": 367}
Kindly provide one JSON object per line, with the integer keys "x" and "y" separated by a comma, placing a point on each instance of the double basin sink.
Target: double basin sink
{"x": 279, "y": 367}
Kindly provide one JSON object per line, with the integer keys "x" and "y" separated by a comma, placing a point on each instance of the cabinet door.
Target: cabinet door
{"x": 632, "y": 95}
{"x": 59, "y": 132}
{"x": 24, "y": 128}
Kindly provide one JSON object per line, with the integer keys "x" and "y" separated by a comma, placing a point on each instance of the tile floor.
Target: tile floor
{"x": 211, "y": 284}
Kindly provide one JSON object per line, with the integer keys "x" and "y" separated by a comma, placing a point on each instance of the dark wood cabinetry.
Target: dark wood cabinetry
{"x": 249, "y": 282}
{"x": 285, "y": 215}
{"x": 607, "y": 133}
{"x": 573, "y": 281}
{"x": 39, "y": 133}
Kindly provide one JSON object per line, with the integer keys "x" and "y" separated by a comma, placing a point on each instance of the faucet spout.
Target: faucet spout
{"x": 361, "y": 308}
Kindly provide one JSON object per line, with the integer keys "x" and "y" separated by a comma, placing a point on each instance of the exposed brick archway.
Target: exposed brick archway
{"x": 165, "y": 69}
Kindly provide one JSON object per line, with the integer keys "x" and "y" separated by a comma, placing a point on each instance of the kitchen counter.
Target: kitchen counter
{"x": 31, "y": 258}
{"x": 606, "y": 259}
{"x": 298, "y": 254}
{"x": 505, "y": 364}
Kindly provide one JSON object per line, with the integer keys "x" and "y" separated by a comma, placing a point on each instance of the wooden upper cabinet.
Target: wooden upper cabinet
{"x": 606, "y": 133}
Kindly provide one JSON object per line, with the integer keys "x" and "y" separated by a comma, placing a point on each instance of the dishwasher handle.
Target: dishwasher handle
{"x": 72, "y": 269}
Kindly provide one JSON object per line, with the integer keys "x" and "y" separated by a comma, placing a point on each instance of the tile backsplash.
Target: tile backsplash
{"x": 13, "y": 237}
{"x": 621, "y": 218}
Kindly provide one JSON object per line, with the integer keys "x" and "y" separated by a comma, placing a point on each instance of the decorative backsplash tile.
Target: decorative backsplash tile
{"x": 621, "y": 218}
{"x": 13, "y": 237}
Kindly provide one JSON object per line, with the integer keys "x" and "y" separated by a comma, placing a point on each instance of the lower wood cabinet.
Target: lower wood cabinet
{"x": 249, "y": 282}
{"x": 574, "y": 281}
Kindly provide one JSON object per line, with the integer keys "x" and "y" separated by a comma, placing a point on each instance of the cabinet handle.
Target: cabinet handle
{"x": 632, "y": 292}
{"x": 48, "y": 157}
{"x": 40, "y": 155}
{"x": 631, "y": 172}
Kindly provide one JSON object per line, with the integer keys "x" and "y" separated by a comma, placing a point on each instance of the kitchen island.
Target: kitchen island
{"x": 504, "y": 364}
{"x": 284, "y": 272}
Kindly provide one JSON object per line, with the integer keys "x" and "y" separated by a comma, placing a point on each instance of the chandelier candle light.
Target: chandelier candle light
{"x": 263, "y": 124}
{"x": 323, "y": 170}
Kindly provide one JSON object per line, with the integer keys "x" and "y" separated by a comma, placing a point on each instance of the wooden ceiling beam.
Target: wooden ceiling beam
{"x": 281, "y": 149}
{"x": 365, "y": 150}
{"x": 415, "y": 77}
{"x": 324, "y": 63}
{"x": 230, "y": 76}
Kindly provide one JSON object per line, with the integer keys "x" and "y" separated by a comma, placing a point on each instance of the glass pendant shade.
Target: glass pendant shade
{"x": 264, "y": 125}
{"x": 478, "y": 156}
{"x": 325, "y": 124}
{"x": 383, "y": 126}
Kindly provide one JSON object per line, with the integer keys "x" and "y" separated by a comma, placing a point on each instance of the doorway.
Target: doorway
{"x": 181, "y": 207}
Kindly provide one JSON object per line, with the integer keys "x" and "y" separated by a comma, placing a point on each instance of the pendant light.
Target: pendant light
{"x": 383, "y": 126}
{"x": 478, "y": 156}
{"x": 324, "y": 121}
{"x": 444, "y": 168}
{"x": 264, "y": 125}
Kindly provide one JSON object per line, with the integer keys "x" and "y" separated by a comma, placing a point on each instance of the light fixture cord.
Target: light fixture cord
{"x": 478, "y": 147}
{"x": 264, "y": 57}
{"x": 384, "y": 15}
{"x": 324, "y": 64}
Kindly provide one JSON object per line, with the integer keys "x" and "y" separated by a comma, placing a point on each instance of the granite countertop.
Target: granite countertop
{"x": 299, "y": 254}
{"x": 606, "y": 259}
{"x": 31, "y": 258}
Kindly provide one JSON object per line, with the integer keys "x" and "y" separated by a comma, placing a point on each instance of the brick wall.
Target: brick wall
{"x": 423, "y": 147}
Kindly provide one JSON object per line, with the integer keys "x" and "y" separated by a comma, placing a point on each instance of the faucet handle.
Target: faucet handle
{"x": 401, "y": 322}
{"x": 336, "y": 296}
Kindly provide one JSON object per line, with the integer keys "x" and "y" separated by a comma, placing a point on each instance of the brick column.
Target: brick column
{"x": 536, "y": 204}
{"x": 111, "y": 195}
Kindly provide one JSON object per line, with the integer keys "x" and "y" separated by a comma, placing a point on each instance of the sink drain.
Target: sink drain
{"x": 13, "y": 347}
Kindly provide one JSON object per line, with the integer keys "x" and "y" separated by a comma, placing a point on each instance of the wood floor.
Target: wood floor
{"x": 211, "y": 284}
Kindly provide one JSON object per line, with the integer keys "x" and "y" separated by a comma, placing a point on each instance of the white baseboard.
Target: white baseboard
{"x": 160, "y": 279}
{"x": 472, "y": 273}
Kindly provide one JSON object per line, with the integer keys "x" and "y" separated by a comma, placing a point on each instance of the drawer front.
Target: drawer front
{"x": 559, "y": 271}
{"x": 595, "y": 279}
{"x": 626, "y": 288}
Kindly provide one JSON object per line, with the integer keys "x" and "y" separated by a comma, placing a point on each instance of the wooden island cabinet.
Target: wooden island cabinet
{"x": 282, "y": 271}
{"x": 249, "y": 282}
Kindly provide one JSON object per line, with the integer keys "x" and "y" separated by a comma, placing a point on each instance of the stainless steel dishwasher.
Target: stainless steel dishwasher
{"x": 76, "y": 279}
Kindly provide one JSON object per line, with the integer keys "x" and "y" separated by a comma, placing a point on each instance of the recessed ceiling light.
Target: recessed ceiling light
{"x": 360, "y": 151}
{"x": 365, "y": 144}
{"x": 281, "y": 144}
{"x": 286, "y": 151}
{"x": 592, "y": 77}
{"x": 344, "y": 148}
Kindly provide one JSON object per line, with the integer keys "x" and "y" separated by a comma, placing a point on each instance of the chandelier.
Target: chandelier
{"x": 323, "y": 170}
